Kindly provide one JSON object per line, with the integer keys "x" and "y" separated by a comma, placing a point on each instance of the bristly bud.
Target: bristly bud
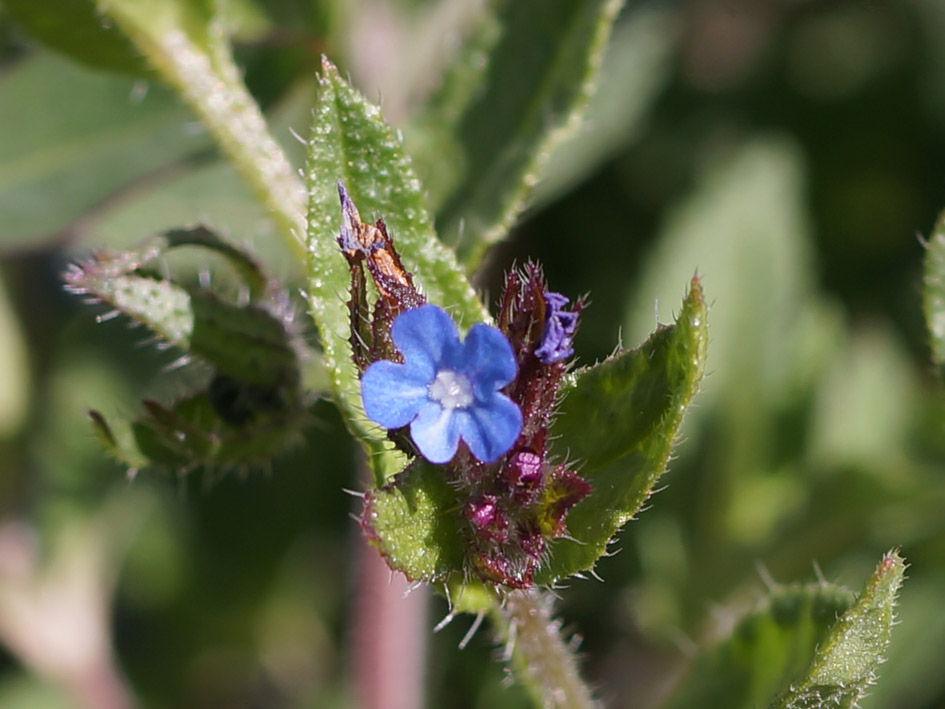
{"x": 541, "y": 332}
{"x": 520, "y": 503}
{"x": 514, "y": 502}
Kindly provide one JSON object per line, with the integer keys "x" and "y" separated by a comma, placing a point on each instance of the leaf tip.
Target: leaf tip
{"x": 328, "y": 67}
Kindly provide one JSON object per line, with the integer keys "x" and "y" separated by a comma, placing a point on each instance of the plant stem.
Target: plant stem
{"x": 200, "y": 67}
{"x": 389, "y": 631}
{"x": 539, "y": 656}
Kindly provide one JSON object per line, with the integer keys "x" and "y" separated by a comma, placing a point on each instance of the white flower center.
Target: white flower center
{"x": 451, "y": 390}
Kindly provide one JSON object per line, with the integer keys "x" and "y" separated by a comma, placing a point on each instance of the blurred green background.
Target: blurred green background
{"x": 789, "y": 151}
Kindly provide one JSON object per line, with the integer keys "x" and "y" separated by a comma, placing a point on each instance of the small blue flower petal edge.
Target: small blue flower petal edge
{"x": 446, "y": 390}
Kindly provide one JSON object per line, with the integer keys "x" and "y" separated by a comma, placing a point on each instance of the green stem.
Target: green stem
{"x": 198, "y": 64}
{"x": 539, "y": 656}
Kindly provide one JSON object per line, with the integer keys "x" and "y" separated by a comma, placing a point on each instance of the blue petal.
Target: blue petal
{"x": 435, "y": 432}
{"x": 490, "y": 427}
{"x": 392, "y": 393}
{"x": 426, "y": 337}
{"x": 487, "y": 359}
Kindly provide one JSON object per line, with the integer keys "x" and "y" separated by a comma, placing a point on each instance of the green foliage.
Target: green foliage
{"x": 784, "y": 157}
{"x": 933, "y": 292}
{"x": 55, "y": 164}
{"x": 847, "y": 661}
{"x": 75, "y": 27}
{"x": 619, "y": 421}
{"x": 416, "y": 524}
{"x": 529, "y": 69}
{"x": 767, "y": 649}
{"x": 186, "y": 42}
{"x": 253, "y": 406}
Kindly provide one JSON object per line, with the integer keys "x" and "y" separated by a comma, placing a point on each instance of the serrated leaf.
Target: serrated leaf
{"x": 523, "y": 77}
{"x": 846, "y": 662}
{"x": 618, "y": 423}
{"x": 56, "y": 164}
{"x": 351, "y": 142}
{"x": 766, "y": 649}
{"x": 933, "y": 292}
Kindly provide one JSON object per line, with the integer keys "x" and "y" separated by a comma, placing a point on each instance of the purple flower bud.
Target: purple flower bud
{"x": 560, "y": 326}
{"x": 523, "y": 475}
{"x": 487, "y": 518}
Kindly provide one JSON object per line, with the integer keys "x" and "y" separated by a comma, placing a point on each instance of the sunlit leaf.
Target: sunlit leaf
{"x": 847, "y": 661}
{"x": 618, "y": 423}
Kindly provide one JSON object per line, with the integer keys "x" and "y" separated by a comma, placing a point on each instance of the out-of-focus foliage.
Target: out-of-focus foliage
{"x": 787, "y": 152}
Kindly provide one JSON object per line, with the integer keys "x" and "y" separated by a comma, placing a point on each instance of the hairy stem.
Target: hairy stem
{"x": 539, "y": 656}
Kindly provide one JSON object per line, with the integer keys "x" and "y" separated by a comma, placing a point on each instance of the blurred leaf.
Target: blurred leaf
{"x": 351, "y": 142}
{"x": 745, "y": 231}
{"x": 864, "y": 407}
{"x": 636, "y": 66}
{"x": 14, "y": 369}
{"x": 846, "y": 662}
{"x": 76, "y": 28}
{"x": 619, "y": 422}
{"x": 205, "y": 191}
{"x": 524, "y": 77}
{"x": 66, "y": 135}
{"x": 933, "y": 292}
{"x": 767, "y": 649}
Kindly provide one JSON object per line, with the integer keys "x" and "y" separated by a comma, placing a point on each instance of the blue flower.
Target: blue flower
{"x": 446, "y": 390}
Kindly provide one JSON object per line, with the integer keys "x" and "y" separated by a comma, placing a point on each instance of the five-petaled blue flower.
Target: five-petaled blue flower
{"x": 446, "y": 390}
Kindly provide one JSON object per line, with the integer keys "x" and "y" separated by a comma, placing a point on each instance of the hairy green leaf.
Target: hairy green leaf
{"x": 415, "y": 523}
{"x": 523, "y": 77}
{"x": 635, "y": 68}
{"x": 766, "y": 649}
{"x": 933, "y": 292}
{"x": 351, "y": 142}
{"x": 249, "y": 342}
{"x": 618, "y": 423}
{"x": 846, "y": 662}
{"x": 253, "y": 406}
